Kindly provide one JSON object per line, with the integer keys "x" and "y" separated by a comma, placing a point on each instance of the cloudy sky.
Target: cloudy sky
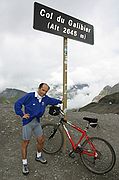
{"x": 28, "y": 56}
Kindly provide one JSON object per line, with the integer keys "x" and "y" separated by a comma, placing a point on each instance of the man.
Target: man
{"x": 34, "y": 104}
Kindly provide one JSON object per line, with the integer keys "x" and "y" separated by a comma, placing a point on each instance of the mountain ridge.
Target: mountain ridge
{"x": 10, "y": 95}
{"x": 107, "y": 104}
{"x": 107, "y": 90}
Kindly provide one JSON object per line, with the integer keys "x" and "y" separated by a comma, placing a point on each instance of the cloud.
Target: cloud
{"x": 28, "y": 56}
{"x": 82, "y": 98}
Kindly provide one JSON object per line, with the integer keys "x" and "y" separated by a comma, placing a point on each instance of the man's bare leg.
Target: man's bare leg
{"x": 24, "y": 146}
{"x": 40, "y": 143}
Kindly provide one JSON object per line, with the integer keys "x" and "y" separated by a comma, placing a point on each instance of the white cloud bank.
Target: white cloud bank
{"x": 28, "y": 57}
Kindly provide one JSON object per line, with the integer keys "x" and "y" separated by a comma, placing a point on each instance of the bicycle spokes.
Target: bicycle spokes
{"x": 101, "y": 159}
{"x": 52, "y": 133}
{"x": 53, "y": 138}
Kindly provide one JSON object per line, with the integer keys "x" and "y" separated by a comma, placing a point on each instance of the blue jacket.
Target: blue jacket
{"x": 33, "y": 107}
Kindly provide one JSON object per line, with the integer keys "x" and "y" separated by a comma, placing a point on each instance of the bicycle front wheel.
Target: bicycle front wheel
{"x": 54, "y": 138}
{"x": 105, "y": 159}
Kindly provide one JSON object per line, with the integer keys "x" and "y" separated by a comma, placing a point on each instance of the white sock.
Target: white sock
{"x": 24, "y": 161}
{"x": 38, "y": 154}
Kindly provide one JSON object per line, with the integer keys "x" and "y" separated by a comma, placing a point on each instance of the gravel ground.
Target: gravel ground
{"x": 60, "y": 166}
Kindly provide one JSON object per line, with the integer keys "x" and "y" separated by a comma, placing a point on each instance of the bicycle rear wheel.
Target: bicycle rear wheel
{"x": 105, "y": 159}
{"x": 54, "y": 138}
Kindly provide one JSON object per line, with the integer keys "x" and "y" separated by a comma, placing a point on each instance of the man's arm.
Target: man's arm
{"x": 19, "y": 104}
{"x": 53, "y": 101}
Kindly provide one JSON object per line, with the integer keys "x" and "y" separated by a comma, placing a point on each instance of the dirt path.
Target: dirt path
{"x": 59, "y": 166}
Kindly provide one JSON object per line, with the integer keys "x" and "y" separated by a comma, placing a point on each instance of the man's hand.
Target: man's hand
{"x": 26, "y": 116}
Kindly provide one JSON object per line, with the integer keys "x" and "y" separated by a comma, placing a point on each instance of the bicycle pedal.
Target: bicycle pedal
{"x": 71, "y": 154}
{"x": 79, "y": 150}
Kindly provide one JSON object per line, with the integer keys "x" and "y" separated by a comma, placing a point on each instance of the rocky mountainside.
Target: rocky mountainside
{"x": 107, "y": 90}
{"x": 10, "y": 95}
{"x": 110, "y": 99}
{"x": 107, "y": 104}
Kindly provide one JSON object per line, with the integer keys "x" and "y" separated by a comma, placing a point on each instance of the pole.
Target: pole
{"x": 65, "y": 75}
{"x": 65, "y": 85}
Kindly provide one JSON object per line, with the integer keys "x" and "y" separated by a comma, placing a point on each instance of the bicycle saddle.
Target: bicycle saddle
{"x": 90, "y": 120}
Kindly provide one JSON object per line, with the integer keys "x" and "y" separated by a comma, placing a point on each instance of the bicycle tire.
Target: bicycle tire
{"x": 106, "y": 156}
{"x": 53, "y": 141}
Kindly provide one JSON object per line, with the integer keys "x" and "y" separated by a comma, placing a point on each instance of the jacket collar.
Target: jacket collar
{"x": 38, "y": 96}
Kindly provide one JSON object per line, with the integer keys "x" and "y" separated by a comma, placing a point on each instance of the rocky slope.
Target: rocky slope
{"x": 60, "y": 166}
{"x": 10, "y": 95}
{"x": 107, "y": 90}
{"x": 107, "y": 104}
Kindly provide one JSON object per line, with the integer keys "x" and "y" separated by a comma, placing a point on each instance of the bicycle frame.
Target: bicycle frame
{"x": 83, "y": 136}
{"x": 96, "y": 153}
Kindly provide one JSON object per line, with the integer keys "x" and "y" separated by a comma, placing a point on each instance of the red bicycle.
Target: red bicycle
{"x": 96, "y": 153}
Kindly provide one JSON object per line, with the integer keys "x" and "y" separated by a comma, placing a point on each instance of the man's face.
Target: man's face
{"x": 43, "y": 90}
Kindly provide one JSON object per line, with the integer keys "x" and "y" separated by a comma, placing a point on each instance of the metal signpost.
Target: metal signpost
{"x": 49, "y": 20}
{"x": 52, "y": 21}
{"x": 65, "y": 75}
